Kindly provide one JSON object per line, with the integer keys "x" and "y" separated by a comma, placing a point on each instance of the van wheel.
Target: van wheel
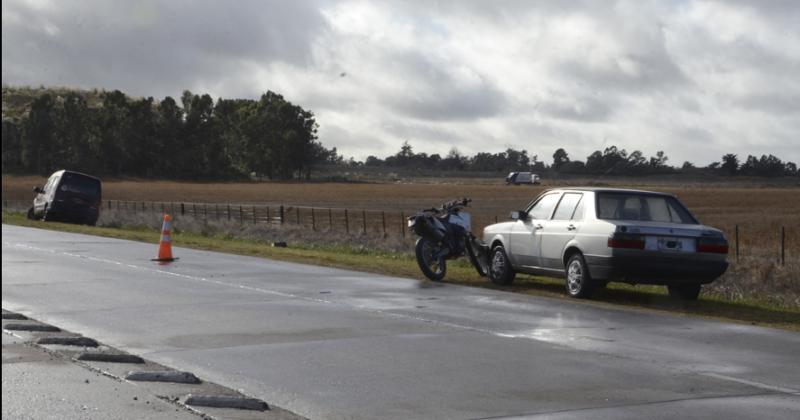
{"x": 684, "y": 291}
{"x": 578, "y": 280}
{"x": 500, "y": 270}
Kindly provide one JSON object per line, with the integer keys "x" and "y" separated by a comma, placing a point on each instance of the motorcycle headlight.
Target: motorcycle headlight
{"x": 412, "y": 222}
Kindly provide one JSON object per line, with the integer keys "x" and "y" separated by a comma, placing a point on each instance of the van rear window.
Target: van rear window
{"x": 79, "y": 184}
{"x": 643, "y": 207}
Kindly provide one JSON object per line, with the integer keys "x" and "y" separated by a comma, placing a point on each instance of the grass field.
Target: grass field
{"x": 760, "y": 212}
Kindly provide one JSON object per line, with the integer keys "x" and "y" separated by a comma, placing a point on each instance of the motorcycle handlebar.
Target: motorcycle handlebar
{"x": 462, "y": 202}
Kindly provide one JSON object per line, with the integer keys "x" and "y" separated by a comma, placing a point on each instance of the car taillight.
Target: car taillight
{"x": 712, "y": 245}
{"x": 627, "y": 241}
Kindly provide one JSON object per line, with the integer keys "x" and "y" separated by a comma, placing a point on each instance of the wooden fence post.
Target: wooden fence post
{"x": 255, "y": 220}
{"x": 364, "y": 220}
{"x": 783, "y": 245}
{"x": 313, "y": 220}
{"x": 346, "y": 223}
{"x": 281, "y": 213}
{"x": 383, "y": 221}
{"x": 229, "y": 211}
{"x": 737, "y": 243}
{"x": 241, "y": 215}
{"x": 269, "y": 218}
{"x": 297, "y": 211}
{"x": 330, "y": 219}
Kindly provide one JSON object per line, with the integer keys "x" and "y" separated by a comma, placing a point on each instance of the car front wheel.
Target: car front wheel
{"x": 578, "y": 280}
{"x": 500, "y": 270}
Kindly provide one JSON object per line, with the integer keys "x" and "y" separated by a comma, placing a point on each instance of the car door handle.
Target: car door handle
{"x": 571, "y": 227}
{"x": 537, "y": 227}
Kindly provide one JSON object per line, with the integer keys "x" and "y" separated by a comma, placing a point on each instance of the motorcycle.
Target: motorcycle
{"x": 446, "y": 233}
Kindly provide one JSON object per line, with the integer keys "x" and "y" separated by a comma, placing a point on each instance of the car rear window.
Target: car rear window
{"x": 642, "y": 207}
{"x": 79, "y": 184}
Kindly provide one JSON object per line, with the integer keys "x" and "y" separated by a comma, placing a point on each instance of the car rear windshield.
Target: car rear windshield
{"x": 80, "y": 184}
{"x": 642, "y": 207}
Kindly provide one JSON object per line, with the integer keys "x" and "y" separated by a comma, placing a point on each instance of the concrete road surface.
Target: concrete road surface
{"x": 336, "y": 344}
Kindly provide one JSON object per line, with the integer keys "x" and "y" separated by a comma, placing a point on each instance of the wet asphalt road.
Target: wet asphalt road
{"x": 331, "y": 344}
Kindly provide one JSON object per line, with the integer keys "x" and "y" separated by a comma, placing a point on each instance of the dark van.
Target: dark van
{"x": 68, "y": 196}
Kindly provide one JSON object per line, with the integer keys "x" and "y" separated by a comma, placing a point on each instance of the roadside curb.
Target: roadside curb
{"x": 163, "y": 376}
{"x": 183, "y": 389}
{"x": 221, "y": 401}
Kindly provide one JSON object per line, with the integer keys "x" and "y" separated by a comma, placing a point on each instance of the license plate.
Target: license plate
{"x": 669, "y": 244}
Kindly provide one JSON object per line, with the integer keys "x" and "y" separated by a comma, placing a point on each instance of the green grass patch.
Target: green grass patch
{"x": 651, "y": 298}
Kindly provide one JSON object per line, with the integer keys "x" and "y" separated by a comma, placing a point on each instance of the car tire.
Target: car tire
{"x": 684, "y": 291}
{"x": 578, "y": 281}
{"x": 500, "y": 270}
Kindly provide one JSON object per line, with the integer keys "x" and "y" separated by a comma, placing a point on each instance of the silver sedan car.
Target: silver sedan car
{"x": 591, "y": 236}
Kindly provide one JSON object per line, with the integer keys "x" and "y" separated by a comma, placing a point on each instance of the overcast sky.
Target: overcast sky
{"x": 696, "y": 79}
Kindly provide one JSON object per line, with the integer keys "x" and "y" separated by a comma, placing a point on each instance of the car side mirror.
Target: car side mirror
{"x": 518, "y": 215}
{"x": 38, "y": 190}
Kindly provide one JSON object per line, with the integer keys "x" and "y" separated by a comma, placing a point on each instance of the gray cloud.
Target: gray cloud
{"x": 151, "y": 48}
{"x": 694, "y": 78}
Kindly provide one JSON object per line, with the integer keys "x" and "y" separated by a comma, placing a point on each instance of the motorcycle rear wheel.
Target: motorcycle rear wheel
{"x": 478, "y": 255}
{"x": 432, "y": 267}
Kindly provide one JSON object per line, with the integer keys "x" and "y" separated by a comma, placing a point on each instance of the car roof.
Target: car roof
{"x": 608, "y": 190}
{"x": 65, "y": 171}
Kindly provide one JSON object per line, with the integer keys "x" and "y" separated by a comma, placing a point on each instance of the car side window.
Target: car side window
{"x": 544, "y": 207}
{"x": 566, "y": 207}
{"x": 578, "y": 213}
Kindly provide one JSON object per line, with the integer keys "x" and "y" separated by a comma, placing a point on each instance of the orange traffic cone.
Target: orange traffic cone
{"x": 165, "y": 245}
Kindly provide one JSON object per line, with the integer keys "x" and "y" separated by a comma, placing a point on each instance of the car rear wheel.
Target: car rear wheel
{"x": 684, "y": 291}
{"x": 578, "y": 280}
{"x": 500, "y": 270}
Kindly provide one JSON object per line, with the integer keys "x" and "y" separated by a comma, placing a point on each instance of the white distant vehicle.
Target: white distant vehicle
{"x": 518, "y": 178}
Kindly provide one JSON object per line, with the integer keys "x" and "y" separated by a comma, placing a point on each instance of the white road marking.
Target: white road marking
{"x": 753, "y": 383}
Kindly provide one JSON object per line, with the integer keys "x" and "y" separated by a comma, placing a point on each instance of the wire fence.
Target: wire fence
{"x": 354, "y": 221}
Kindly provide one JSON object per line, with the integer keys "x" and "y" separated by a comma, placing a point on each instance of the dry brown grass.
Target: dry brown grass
{"x": 759, "y": 212}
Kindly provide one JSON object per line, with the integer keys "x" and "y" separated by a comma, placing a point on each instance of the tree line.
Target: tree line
{"x": 197, "y": 139}
{"x": 109, "y": 133}
{"x": 610, "y": 161}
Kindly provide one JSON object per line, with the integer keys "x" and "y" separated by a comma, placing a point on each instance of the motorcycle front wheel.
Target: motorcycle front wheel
{"x": 432, "y": 267}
